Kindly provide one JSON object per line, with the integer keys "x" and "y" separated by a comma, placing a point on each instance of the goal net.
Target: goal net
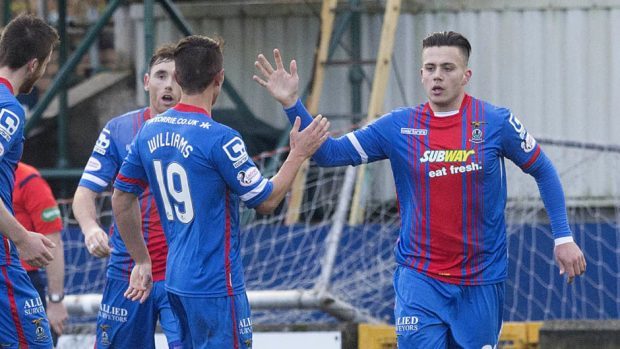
{"x": 322, "y": 269}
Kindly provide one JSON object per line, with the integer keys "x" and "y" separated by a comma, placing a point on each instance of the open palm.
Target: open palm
{"x": 282, "y": 85}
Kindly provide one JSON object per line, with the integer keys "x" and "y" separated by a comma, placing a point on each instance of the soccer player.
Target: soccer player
{"x": 447, "y": 158}
{"x": 25, "y": 50}
{"x": 36, "y": 209}
{"x": 122, "y": 323}
{"x": 199, "y": 171}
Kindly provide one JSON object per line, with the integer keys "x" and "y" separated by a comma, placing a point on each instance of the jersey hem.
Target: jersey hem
{"x": 461, "y": 281}
{"x": 205, "y": 295}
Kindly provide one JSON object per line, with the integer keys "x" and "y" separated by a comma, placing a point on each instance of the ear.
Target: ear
{"x": 146, "y": 81}
{"x": 219, "y": 78}
{"x": 467, "y": 76}
{"x": 33, "y": 64}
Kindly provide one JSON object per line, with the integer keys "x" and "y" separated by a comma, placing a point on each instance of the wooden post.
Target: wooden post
{"x": 377, "y": 95}
{"x": 328, "y": 15}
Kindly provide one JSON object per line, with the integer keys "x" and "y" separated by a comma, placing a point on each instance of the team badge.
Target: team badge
{"x": 476, "y": 132}
{"x": 105, "y": 339}
{"x": 41, "y": 336}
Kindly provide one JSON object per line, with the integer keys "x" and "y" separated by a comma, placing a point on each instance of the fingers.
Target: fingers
{"x": 57, "y": 325}
{"x": 263, "y": 65}
{"x": 133, "y": 294}
{"x": 37, "y": 262}
{"x": 145, "y": 295}
{"x": 296, "y": 125}
{"x": 260, "y": 81}
{"x": 97, "y": 244}
{"x": 293, "y": 67}
{"x": 48, "y": 243}
{"x": 278, "y": 59}
{"x": 583, "y": 264}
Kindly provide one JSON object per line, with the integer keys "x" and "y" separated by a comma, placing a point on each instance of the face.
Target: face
{"x": 444, "y": 76}
{"x": 34, "y": 74}
{"x": 164, "y": 92}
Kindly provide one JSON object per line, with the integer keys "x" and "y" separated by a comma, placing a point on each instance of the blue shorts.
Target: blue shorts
{"x": 213, "y": 322}
{"x": 433, "y": 314}
{"x": 122, "y": 323}
{"x": 23, "y": 322}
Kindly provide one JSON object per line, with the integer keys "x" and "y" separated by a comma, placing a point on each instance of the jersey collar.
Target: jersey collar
{"x": 147, "y": 113}
{"x": 464, "y": 104}
{"x": 8, "y": 84}
{"x": 188, "y": 108}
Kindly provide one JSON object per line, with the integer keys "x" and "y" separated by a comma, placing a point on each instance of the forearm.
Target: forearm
{"x": 334, "y": 152}
{"x": 56, "y": 269}
{"x": 127, "y": 215}
{"x": 552, "y": 196}
{"x": 85, "y": 210}
{"x": 282, "y": 182}
{"x": 9, "y": 226}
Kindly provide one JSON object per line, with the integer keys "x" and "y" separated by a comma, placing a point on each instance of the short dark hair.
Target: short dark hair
{"x": 164, "y": 53}
{"x": 448, "y": 38}
{"x": 197, "y": 60}
{"x": 24, "y": 38}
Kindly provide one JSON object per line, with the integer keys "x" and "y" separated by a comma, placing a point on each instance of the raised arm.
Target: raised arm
{"x": 283, "y": 86}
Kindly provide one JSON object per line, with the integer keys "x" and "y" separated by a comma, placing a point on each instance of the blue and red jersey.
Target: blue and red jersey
{"x": 199, "y": 171}
{"x": 451, "y": 183}
{"x": 108, "y": 154}
{"x": 12, "y": 122}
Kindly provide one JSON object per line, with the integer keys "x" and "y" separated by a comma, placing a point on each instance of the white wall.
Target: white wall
{"x": 555, "y": 63}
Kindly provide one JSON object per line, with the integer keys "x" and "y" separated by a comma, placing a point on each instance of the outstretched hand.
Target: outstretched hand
{"x": 570, "y": 259}
{"x": 282, "y": 85}
{"x": 305, "y": 143}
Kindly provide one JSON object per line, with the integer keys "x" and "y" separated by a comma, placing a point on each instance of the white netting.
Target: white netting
{"x": 281, "y": 257}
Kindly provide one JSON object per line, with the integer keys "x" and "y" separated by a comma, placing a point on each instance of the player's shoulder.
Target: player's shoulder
{"x": 396, "y": 116}
{"x": 493, "y": 113}
{"x": 10, "y": 104}
{"x": 126, "y": 119}
{"x": 406, "y": 111}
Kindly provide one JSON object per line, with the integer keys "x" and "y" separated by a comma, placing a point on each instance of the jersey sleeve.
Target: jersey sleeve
{"x": 521, "y": 147}
{"x": 103, "y": 163}
{"x": 518, "y": 145}
{"x": 12, "y": 119}
{"x": 354, "y": 148}
{"x": 239, "y": 172}
{"x": 132, "y": 177}
{"x": 41, "y": 206}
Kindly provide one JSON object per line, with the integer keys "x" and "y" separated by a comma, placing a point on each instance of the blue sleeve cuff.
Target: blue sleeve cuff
{"x": 264, "y": 195}
{"x": 299, "y": 110}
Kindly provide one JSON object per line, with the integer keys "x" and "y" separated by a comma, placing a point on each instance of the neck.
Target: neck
{"x": 15, "y": 77}
{"x": 456, "y": 105}
{"x": 202, "y": 100}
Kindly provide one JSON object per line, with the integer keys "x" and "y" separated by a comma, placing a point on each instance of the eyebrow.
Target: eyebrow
{"x": 445, "y": 64}
{"x": 160, "y": 71}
